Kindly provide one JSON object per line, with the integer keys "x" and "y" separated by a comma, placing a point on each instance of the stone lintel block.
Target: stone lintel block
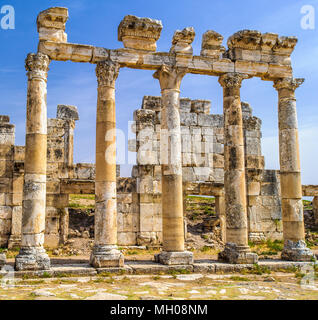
{"x": 223, "y": 66}
{"x": 51, "y": 24}
{"x": 278, "y": 71}
{"x": 32, "y": 259}
{"x": 106, "y": 256}
{"x": 297, "y": 251}
{"x": 235, "y": 254}
{"x": 67, "y": 112}
{"x": 66, "y": 51}
{"x": 139, "y": 33}
{"x": 175, "y": 258}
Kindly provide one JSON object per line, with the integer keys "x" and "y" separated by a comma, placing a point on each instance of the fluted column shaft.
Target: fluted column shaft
{"x": 32, "y": 255}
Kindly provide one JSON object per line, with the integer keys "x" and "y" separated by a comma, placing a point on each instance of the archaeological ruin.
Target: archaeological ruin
{"x": 181, "y": 149}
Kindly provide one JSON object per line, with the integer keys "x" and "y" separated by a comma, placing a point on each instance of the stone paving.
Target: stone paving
{"x": 274, "y": 286}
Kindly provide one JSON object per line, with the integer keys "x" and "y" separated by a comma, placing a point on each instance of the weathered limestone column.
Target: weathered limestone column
{"x": 105, "y": 252}
{"x": 171, "y": 167}
{"x": 290, "y": 175}
{"x": 32, "y": 255}
{"x": 236, "y": 249}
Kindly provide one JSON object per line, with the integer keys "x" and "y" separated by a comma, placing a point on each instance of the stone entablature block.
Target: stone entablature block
{"x": 51, "y": 24}
{"x": 139, "y": 33}
{"x": 212, "y": 45}
{"x": 252, "y": 45}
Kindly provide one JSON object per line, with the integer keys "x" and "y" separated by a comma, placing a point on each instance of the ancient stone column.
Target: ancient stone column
{"x": 290, "y": 175}
{"x": 236, "y": 249}
{"x": 171, "y": 167}
{"x": 105, "y": 252}
{"x": 32, "y": 255}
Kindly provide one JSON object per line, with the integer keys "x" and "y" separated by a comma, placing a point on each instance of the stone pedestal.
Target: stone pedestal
{"x": 238, "y": 254}
{"x": 237, "y": 249}
{"x": 297, "y": 251}
{"x": 171, "y": 167}
{"x": 175, "y": 258}
{"x": 32, "y": 259}
{"x": 290, "y": 174}
{"x": 106, "y": 256}
{"x": 32, "y": 255}
{"x": 105, "y": 252}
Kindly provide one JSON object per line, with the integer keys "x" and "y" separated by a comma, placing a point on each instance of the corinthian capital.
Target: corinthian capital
{"x": 232, "y": 80}
{"x": 37, "y": 65}
{"x": 107, "y": 73}
{"x": 170, "y": 77}
{"x": 288, "y": 83}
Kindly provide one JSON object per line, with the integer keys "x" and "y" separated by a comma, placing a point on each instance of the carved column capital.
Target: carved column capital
{"x": 37, "y": 66}
{"x": 170, "y": 77}
{"x": 288, "y": 83}
{"x": 232, "y": 80}
{"x": 107, "y": 73}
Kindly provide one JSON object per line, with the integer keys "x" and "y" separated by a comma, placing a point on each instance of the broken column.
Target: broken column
{"x": 105, "y": 252}
{"x": 171, "y": 166}
{"x": 295, "y": 248}
{"x": 236, "y": 249}
{"x": 32, "y": 255}
{"x": 70, "y": 115}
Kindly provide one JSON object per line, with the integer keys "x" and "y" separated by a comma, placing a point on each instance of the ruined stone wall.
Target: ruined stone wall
{"x": 203, "y": 162}
{"x": 139, "y": 197}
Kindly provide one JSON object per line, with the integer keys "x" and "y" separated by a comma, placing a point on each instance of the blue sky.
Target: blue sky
{"x": 95, "y": 22}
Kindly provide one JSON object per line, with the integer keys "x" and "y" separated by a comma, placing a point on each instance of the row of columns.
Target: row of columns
{"x": 105, "y": 252}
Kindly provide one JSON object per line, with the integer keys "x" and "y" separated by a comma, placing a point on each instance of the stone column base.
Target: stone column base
{"x": 297, "y": 251}
{"x": 238, "y": 254}
{"x": 175, "y": 258}
{"x": 106, "y": 256}
{"x": 32, "y": 259}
